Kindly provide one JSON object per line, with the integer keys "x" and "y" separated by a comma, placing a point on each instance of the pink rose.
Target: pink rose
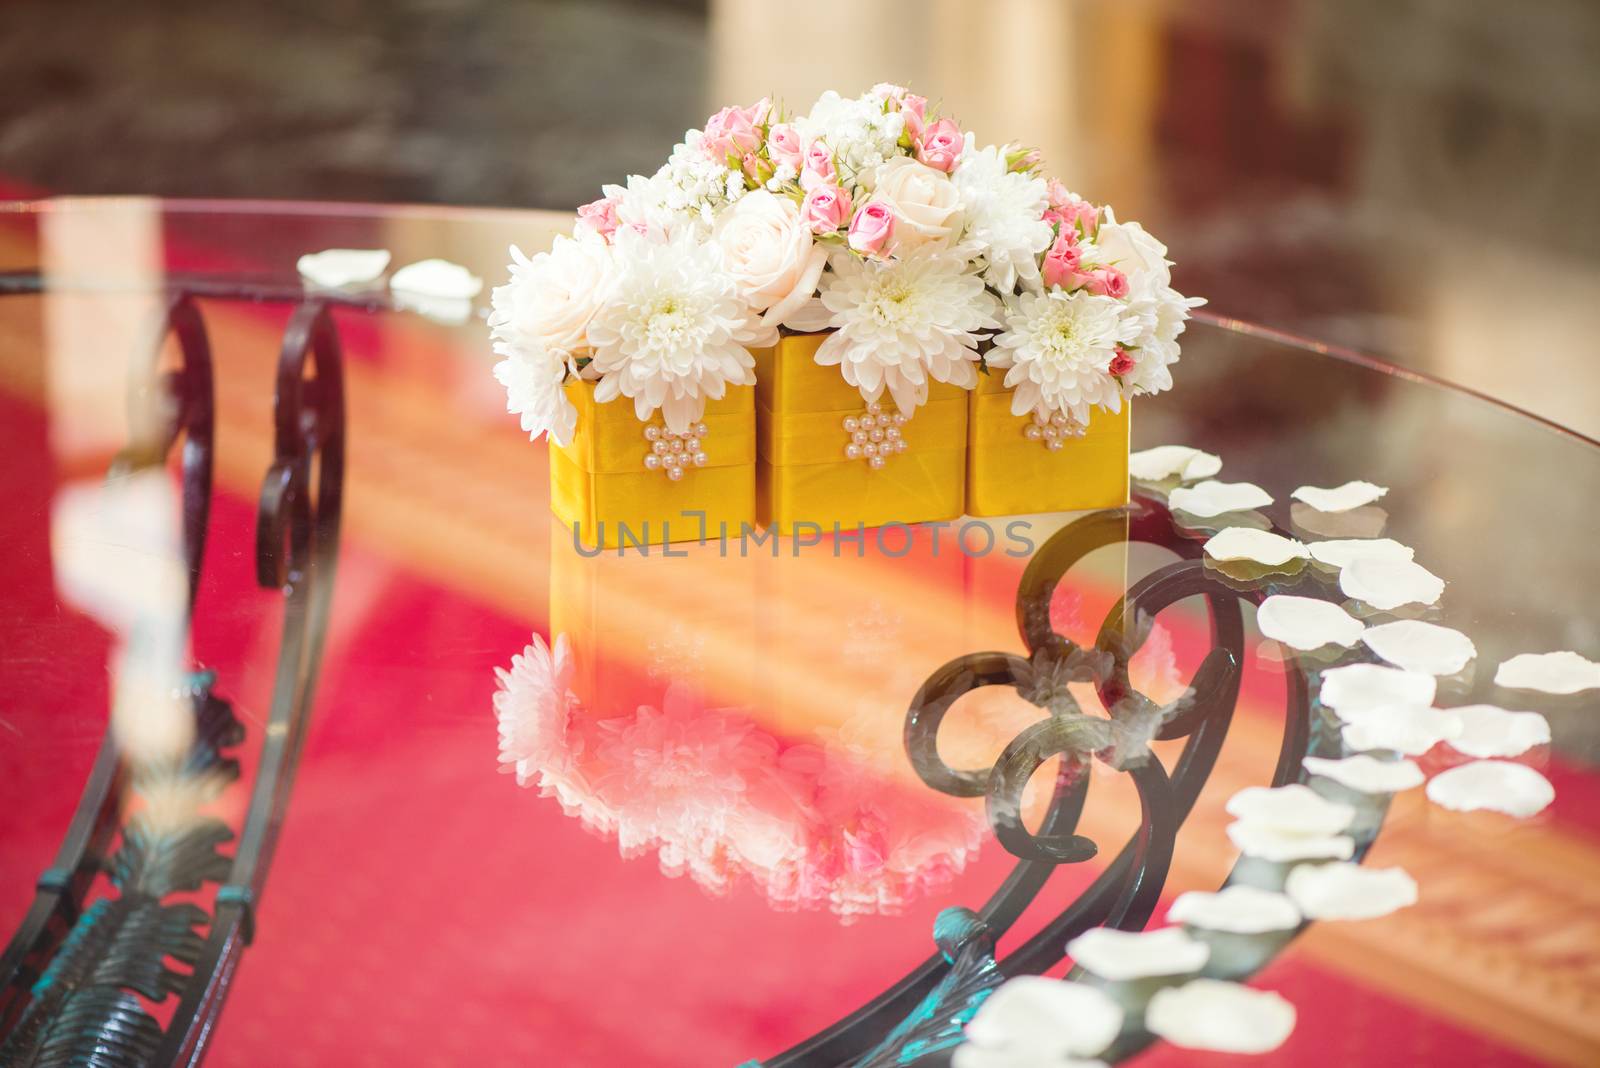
{"x": 1061, "y": 262}
{"x": 1069, "y": 210}
{"x": 783, "y": 146}
{"x": 818, "y": 166}
{"x": 732, "y": 131}
{"x": 871, "y": 229}
{"x": 758, "y": 169}
{"x": 1121, "y": 363}
{"x": 1107, "y": 282}
{"x": 601, "y": 215}
{"x": 825, "y": 208}
{"x": 940, "y": 145}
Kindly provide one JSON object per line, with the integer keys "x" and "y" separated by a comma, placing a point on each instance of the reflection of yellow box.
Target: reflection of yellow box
{"x": 640, "y": 624}
{"x": 601, "y": 488}
{"x": 1009, "y": 473}
{"x": 803, "y": 473}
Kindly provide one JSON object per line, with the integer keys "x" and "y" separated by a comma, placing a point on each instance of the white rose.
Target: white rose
{"x": 552, "y": 296}
{"x": 926, "y": 204}
{"x": 769, "y": 253}
{"x": 1130, "y": 249}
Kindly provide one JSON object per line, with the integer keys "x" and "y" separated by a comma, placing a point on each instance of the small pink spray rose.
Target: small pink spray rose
{"x": 825, "y": 208}
{"x": 871, "y": 229}
{"x": 940, "y": 145}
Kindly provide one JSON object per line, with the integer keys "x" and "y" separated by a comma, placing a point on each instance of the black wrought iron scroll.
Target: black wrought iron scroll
{"x": 72, "y": 978}
{"x": 920, "y": 1018}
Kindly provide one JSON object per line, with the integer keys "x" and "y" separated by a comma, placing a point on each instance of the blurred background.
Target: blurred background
{"x": 1411, "y": 178}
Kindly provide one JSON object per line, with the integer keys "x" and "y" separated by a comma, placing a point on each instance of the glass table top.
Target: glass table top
{"x": 460, "y": 791}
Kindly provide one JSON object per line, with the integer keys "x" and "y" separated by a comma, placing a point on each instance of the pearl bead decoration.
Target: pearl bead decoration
{"x": 1053, "y": 430}
{"x": 874, "y": 435}
{"x": 674, "y": 453}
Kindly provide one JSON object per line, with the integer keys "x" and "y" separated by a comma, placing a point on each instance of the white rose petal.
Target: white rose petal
{"x": 1367, "y": 774}
{"x": 337, "y": 267}
{"x": 1164, "y": 461}
{"x": 1279, "y": 846}
{"x": 1563, "y": 673}
{"x": 1490, "y": 731}
{"x": 1357, "y": 687}
{"x": 1341, "y": 498}
{"x": 1213, "y": 498}
{"x": 1052, "y": 1017}
{"x": 1495, "y": 785}
{"x": 1307, "y": 623}
{"x": 437, "y": 278}
{"x": 1122, "y": 955}
{"x": 1216, "y": 1015}
{"x": 1295, "y": 807}
{"x": 1388, "y": 584}
{"x": 1238, "y": 908}
{"x": 1410, "y": 730}
{"x": 1340, "y": 552}
{"x": 1257, "y": 546}
{"x": 1345, "y": 891}
{"x": 971, "y": 1055}
{"x": 1418, "y": 646}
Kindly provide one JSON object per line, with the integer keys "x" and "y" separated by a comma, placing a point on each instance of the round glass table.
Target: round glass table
{"x": 284, "y": 599}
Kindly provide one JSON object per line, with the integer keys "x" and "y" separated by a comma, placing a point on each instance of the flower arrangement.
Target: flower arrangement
{"x": 928, "y": 258}
{"x": 873, "y": 217}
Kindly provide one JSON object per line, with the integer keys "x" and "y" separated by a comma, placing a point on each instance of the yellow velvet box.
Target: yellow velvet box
{"x": 803, "y": 474}
{"x": 1009, "y": 473}
{"x": 601, "y": 488}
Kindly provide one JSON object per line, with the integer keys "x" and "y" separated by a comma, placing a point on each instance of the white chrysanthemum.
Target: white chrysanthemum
{"x": 860, "y": 133}
{"x": 533, "y": 705}
{"x": 533, "y": 391}
{"x": 1059, "y": 347}
{"x": 1005, "y": 217}
{"x": 538, "y": 319}
{"x": 673, "y": 332}
{"x": 1159, "y": 311}
{"x": 900, "y": 322}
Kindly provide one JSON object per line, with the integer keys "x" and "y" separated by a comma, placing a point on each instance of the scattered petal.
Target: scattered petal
{"x": 335, "y": 267}
{"x": 1367, "y": 774}
{"x": 1279, "y": 846}
{"x": 1340, "y": 498}
{"x": 1564, "y": 672}
{"x": 1307, "y": 623}
{"x": 1165, "y": 461}
{"x": 437, "y": 278}
{"x": 1121, "y": 955}
{"x": 1418, "y": 646}
{"x": 1388, "y": 584}
{"x": 1495, "y": 785}
{"x": 1357, "y": 687}
{"x": 1295, "y": 807}
{"x": 451, "y": 311}
{"x": 1410, "y": 730}
{"x": 1346, "y": 891}
{"x": 1053, "y": 1017}
{"x": 1239, "y": 909}
{"x": 1339, "y": 552}
{"x": 971, "y": 1055}
{"x": 1260, "y": 546}
{"x": 1490, "y": 731}
{"x": 1212, "y": 498}
{"x": 1217, "y": 1015}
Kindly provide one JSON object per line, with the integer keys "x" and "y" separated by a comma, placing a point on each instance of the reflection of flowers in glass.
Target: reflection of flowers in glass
{"x": 533, "y": 704}
{"x": 717, "y": 798}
